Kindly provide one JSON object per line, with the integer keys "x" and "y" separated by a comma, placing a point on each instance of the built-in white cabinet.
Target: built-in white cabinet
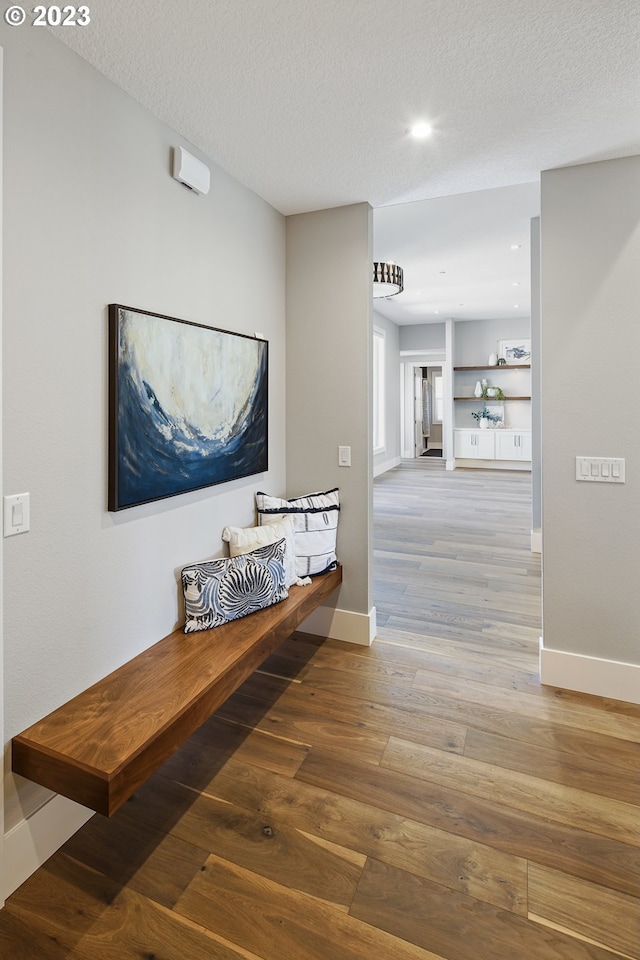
{"x": 513, "y": 445}
{"x": 492, "y": 444}
{"x": 474, "y": 444}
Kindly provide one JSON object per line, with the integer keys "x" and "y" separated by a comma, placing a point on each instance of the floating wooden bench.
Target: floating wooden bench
{"x": 99, "y": 747}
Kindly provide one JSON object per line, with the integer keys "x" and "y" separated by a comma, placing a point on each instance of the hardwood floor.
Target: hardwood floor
{"x": 424, "y": 799}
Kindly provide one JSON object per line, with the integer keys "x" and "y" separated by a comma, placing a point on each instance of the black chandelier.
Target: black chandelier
{"x": 388, "y": 280}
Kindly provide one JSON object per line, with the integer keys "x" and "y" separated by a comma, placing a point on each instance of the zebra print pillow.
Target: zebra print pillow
{"x": 217, "y": 591}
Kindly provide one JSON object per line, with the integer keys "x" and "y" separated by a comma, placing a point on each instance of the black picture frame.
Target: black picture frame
{"x": 188, "y": 406}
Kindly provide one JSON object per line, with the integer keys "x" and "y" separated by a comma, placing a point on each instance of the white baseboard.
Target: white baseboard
{"x": 342, "y": 625}
{"x": 536, "y": 541}
{"x": 387, "y": 465}
{"x": 467, "y": 462}
{"x": 450, "y": 465}
{"x": 602, "y": 678}
{"x": 32, "y": 841}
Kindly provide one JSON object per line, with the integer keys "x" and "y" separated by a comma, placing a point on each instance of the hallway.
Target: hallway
{"x": 421, "y": 799}
{"x": 453, "y": 558}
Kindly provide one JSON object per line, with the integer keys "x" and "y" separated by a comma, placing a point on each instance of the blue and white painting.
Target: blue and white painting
{"x": 188, "y": 406}
{"x": 515, "y": 352}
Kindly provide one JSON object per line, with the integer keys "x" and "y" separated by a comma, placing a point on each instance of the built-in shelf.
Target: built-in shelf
{"x": 490, "y": 399}
{"x": 508, "y": 443}
{"x": 503, "y": 366}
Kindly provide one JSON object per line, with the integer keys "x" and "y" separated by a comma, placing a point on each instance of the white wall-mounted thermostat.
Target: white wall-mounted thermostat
{"x": 190, "y": 171}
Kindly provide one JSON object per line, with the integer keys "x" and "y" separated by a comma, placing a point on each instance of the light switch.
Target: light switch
{"x": 600, "y": 469}
{"x": 17, "y": 517}
{"x": 344, "y": 456}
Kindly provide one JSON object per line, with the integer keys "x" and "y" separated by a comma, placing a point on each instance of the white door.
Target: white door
{"x": 463, "y": 445}
{"x": 525, "y": 446}
{"x": 417, "y": 412}
{"x": 474, "y": 444}
{"x": 513, "y": 446}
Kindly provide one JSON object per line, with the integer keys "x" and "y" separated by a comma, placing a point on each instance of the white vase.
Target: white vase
{"x": 493, "y": 360}
{"x": 484, "y": 424}
{"x": 478, "y": 389}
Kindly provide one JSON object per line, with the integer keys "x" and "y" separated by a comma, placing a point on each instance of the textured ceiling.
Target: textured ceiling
{"x": 308, "y": 102}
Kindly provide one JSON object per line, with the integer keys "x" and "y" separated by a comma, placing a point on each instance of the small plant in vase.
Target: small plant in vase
{"x": 492, "y": 393}
{"x": 484, "y": 417}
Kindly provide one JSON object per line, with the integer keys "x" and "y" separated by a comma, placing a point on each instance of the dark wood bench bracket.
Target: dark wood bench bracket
{"x": 99, "y": 747}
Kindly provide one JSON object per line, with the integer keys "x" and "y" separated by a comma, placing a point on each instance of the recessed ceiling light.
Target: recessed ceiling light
{"x": 516, "y": 246}
{"x": 516, "y": 283}
{"x": 436, "y": 311}
{"x": 516, "y": 305}
{"x": 420, "y": 131}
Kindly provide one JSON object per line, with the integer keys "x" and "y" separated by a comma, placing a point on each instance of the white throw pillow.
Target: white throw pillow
{"x": 315, "y": 522}
{"x": 244, "y": 540}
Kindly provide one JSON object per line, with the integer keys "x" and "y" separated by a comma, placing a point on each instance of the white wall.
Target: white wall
{"x": 92, "y": 216}
{"x": 536, "y": 392}
{"x": 590, "y": 345}
{"x": 390, "y": 457}
{"x": 329, "y": 395}
{"x": 476, "y": 339}
{"x": 2, "y": 869}
{"x": 423, "y": 336}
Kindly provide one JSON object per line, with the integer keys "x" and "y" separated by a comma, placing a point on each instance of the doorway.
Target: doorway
{"x": 428, "y": 411}
{"x": 423, "y": 408}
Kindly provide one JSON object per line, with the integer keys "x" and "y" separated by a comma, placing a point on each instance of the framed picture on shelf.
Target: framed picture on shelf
{"x": 515, "y": 351}
{"x": 496, "y": 412}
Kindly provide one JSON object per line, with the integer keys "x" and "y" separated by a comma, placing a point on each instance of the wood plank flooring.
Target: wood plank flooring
{"x": 423, "y": 799}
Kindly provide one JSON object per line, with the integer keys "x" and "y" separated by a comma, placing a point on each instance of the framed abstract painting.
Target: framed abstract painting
{"x": 187, "y": 406}
{"x": 515, "y": 352}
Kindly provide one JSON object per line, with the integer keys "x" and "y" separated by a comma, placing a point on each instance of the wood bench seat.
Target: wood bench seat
{"x": 99, "y": 747}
